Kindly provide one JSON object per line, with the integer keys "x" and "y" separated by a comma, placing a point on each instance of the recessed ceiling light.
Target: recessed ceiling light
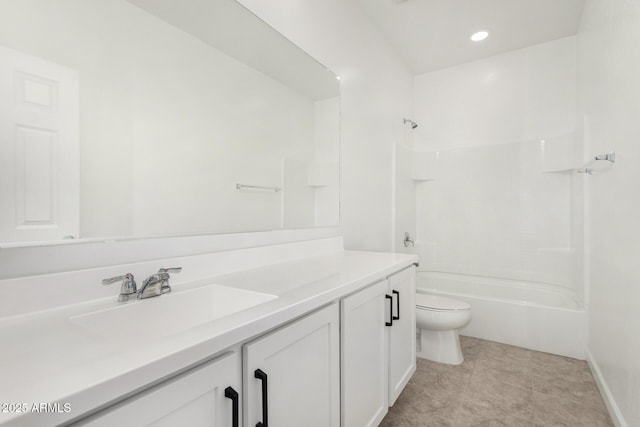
{"x": 479, "y": 36}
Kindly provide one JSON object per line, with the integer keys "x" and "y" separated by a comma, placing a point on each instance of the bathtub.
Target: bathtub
{"x": 535, "y": 316}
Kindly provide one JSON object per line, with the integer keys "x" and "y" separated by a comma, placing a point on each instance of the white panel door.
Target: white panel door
{"x": 201, "y": 397}
{"x": 293, "y": 374}
{"x": 402, "y": 334}
{"x": 39, "y": 155}
{"x": 364, "y": 319}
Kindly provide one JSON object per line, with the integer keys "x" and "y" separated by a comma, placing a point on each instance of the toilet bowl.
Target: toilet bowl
{"x": 438, "y": 320}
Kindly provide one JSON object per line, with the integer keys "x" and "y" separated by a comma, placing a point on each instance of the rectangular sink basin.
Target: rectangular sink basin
{"x": 170, "y": 313}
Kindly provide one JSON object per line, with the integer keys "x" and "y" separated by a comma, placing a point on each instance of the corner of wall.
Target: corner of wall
{"x": 607, "y": 397}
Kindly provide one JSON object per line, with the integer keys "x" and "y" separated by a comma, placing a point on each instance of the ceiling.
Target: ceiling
{"x": 434, "y": 34}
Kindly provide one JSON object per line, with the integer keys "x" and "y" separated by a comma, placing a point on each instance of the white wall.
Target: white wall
{"x": 517, "y": 96}
{"x": 405, "y": 195}
{"x": 501, "y": 201}
{"x": 609, "y": 66}
{"x": 376, "y": 93}
{"x": 405, "y": 190}
{"x": 325, "y": 173}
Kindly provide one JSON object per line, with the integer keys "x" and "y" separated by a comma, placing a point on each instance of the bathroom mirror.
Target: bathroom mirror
{"x": 142, "y": 118}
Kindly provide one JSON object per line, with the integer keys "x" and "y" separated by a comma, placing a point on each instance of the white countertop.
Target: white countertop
{"x": 47, "y": 358}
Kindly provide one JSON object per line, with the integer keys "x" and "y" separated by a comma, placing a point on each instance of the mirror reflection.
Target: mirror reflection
{"x": 154, "y": 117}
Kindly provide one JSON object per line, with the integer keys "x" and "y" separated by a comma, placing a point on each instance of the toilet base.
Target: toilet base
{"x": 439, "y": 346}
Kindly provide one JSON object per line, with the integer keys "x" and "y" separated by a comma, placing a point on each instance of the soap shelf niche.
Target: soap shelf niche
{"x": 424, "y": 166}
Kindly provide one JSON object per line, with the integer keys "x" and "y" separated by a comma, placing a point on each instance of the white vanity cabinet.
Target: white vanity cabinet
{"x": 292, "y": 375}
{"x": 365, "y": 355}
{"x": 378, "y": 333}
{"x": 206, "y": 396}
{"x": 343, "y": 364}
{"x": 402, "y": 334}
{"x": 290, "y": 378}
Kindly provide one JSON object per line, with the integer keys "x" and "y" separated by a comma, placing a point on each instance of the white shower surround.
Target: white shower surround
{"x": 499, "y": 212}
{"x": 525, "y": 314}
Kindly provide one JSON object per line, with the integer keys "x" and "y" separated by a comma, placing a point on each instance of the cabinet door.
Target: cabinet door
{"x": 364, "y": 316}
{"x": 402, "y": 335}
{"x": 293, "y": 374}
{"x": 195, "y": 399}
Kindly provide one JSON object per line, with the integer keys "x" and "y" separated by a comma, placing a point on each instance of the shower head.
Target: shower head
{"x": 413, "y": 124}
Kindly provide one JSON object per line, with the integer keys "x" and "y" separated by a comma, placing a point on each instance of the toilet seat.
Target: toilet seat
{"x": 438, "y": 303}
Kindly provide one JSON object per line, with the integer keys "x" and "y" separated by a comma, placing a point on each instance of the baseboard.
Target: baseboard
{"x": 612, "y": 407}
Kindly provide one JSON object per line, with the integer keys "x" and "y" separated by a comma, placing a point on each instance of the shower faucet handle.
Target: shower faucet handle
{"x": 407, "y": 240}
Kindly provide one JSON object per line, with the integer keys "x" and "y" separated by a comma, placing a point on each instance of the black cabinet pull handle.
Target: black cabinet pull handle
{"x": 397, "y": 306}
{"x": 230, "y": 393}
{"x": 259, "y": 374}
{"x": 390, "y": 322}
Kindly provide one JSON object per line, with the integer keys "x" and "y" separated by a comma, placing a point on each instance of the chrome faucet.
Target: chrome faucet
{"x": 154, "y": 285}
{"x": 157, "y": 284}
{"x": 128, "y": 288}
{"x": 407, "y": 240}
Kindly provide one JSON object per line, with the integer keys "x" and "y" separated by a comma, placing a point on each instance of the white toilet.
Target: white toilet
{"x": 438, "y": 320}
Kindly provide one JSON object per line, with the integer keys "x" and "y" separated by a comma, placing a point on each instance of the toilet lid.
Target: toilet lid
{"x": 440, "y": 303}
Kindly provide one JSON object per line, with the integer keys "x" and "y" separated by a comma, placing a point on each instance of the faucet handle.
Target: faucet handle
{"x": 408, "y": 240}
{"x": 170, "y": 270}
{"x": 164, "y": 273}
{"x": 122, "y": 278}
{"x": 128, "y": 287}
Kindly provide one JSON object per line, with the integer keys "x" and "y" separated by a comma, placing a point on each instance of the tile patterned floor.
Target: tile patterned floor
{"x": 500, "y": 385}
